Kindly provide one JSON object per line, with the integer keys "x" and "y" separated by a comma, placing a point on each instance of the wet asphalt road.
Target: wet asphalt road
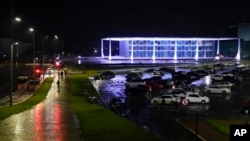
{"x": 51, "y": 120}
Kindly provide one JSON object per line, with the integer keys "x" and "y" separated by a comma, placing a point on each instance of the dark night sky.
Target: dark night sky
{"x": 88, "y": 21}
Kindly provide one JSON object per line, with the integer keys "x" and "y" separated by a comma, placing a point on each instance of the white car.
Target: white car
{"x": 178, "y": 92}
{"x": 225, "y": 84}
{"x": 169, "y": 99}
{"x": 217, "y": 77}
{"x": 196, "y": 98}
{"x": 217, "y": 89}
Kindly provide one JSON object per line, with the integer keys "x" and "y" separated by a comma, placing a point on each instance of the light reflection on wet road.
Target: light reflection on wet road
{"x": 51, "y": 120}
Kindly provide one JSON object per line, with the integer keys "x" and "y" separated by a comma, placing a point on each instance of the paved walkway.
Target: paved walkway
{"x": 17, "y": 97}
{"x": 50, "y": 120}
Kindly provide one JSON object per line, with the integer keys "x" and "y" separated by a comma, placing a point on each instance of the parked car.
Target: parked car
{"x": 202, "y": 73}
{"x": 235, "y": 80}
{"x": 224, "y": 84}
{"x": 217, "y": 89}
{"x": 166, "y": 83}
{"x": 154, "y": 85}
{"x": 23, "y": 78}
{"x": 138, "y": 72}
{"x": 149, "y": 70}
{"x": 156, "y": 78}
{"x": 178, "y": 92}
{"x": 193, "y": 75}
{"x": 132, "y": 76}
{"x": 230, "y": 74}
{"x": 107, "y": 75}
{"x": 196, "y": 98}
{"x": 167, "y": 98}
{"x": 135, "y": 82}
{"x": 217, "y": 77}
{"x": 158, "y": 72}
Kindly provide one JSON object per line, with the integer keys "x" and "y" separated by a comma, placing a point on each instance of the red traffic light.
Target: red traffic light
{"x": 38, "y": 71}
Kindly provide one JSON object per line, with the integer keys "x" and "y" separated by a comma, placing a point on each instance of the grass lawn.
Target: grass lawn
{"x": 223, "y": 125}
{"x": 98, "y": 123}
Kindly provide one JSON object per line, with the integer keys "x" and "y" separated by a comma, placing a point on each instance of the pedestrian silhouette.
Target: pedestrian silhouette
{"x": 58, "y": 84}
{"x": 163, "y": 103}
{"x": 61, "y": 74}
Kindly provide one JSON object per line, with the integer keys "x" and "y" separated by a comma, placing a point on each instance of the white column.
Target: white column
{"x": 153, "y": 55}
{"x": 238, "y": 53}
{"x": 102, "y": 54}
{"x": 218, "y": 47}
{"x": 132, "y": 51}
{"x": 109, "y": 49}
{"x": 175, "y": 50}
{"x": 197, "y": 50}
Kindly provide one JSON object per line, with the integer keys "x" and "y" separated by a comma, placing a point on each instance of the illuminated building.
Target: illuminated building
{"x": 157, "y": 48}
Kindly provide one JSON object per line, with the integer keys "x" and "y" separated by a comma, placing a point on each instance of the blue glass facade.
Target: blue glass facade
{"x": 167, "y": 48}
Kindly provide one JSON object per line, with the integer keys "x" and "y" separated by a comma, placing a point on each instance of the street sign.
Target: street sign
{"x": 184, "y": 102}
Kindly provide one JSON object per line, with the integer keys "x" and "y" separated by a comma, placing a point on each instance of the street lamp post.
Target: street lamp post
{"x": 17, "y": 19}
{"x": 60, "y": 50}
{"x": 43, "y": 45}
{"x": 33, "y": 44}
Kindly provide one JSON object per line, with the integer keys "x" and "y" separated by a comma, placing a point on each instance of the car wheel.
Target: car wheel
{"x": 155, "y": 102}
{"x": 224, "y": 92}
{"x": 246, "y": 111}
{"x": 172, "y": 103}
{"x": 208, "y": 92}
{"x": 203, "y": 102}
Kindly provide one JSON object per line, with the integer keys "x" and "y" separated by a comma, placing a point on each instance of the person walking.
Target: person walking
{"x": 58, "y": 84}
{"x": 163, "y": 102}
{"x": 61, "y": 74}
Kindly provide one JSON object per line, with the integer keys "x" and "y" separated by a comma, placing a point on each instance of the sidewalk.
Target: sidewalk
{"x": 18, "y": 96}
{"x": 51, "y": 119}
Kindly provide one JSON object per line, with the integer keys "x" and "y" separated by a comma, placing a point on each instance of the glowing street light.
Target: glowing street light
{"x": 18, "y": 19}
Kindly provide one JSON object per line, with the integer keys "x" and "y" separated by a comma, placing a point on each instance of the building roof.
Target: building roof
{"x": 165, "y": 38}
